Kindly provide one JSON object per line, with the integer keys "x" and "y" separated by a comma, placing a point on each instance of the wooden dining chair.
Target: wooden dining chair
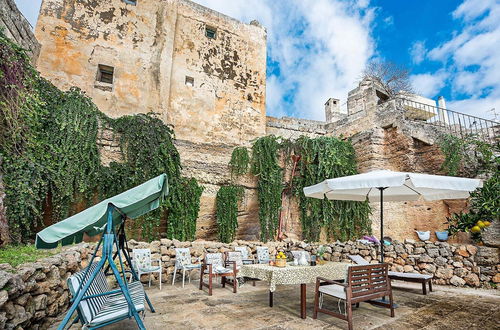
{"x": 363, "y": 283}
{"x": 213, "y": 267}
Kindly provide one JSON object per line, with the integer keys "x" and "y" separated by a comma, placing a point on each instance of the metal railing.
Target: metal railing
{"x": 455, "y": 122}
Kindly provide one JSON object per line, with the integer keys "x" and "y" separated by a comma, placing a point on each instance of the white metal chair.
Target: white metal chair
{"x": 142, "y": 263}
{"x": 262, "y": 254}
{"x": 244, "y": 254}
{"x": 183, "y": 262}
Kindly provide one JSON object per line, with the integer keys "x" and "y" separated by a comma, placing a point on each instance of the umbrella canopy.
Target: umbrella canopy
{"x": 386, "y": 185}
{"x": 400, "y": 186}
{"x": 133, "y": 203}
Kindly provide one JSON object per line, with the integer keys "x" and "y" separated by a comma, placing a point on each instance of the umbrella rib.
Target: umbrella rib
{"x": 368, "y": 193}
{"x": 412, "y": 189}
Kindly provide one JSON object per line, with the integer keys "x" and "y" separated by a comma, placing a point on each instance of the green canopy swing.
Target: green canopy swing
{"x": 106, "y": 217}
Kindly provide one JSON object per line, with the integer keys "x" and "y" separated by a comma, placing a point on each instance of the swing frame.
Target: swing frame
{"x": 109, "y": 240}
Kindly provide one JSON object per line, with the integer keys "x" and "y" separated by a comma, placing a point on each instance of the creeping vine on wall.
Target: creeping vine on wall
{"x": 265, "y": 156}
{"x": 50, "y": 160}
{"x": 326, "y": 158}
{"x": 239, "y": 161}
{"x": 466, "y": 156}
{"x": 227, "y": 212}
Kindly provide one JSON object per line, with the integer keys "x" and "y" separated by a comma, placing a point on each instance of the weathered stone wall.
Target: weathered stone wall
{"x": 155, "y": 48}
{"x": 34, "y": 294}
{"x": 17, "y": 28}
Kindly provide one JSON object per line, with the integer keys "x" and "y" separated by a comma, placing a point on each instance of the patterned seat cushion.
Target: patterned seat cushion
{"x": 150, "y": 269}
{"x": 263, "y": 254}
{"x": 215, "y": 259}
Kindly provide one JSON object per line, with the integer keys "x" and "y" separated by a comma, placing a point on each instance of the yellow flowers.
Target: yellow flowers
{"x": 475, "y": 229}
{"x": 280, "y": 255}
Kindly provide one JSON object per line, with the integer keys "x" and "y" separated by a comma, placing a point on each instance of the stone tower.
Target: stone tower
{"x": 199, "y": 70}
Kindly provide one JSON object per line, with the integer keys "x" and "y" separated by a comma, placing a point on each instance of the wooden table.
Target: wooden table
{"x": 302, "y": 275}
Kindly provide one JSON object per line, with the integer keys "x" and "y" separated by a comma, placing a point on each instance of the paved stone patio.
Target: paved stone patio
{"x": 189, "y": 308}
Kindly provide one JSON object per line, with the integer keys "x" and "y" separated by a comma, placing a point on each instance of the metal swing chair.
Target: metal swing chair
{"x": 96, "y": 304}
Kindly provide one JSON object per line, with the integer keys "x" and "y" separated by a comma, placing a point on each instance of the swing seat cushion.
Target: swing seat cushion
{"x": 107, "y": 308}
{"x": 116, "y": 306}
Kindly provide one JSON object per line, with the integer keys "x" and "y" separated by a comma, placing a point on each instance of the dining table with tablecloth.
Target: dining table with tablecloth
{"x": 293, "y": 275}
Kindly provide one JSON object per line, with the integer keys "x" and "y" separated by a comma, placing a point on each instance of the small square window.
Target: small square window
{"x": 131, "y": 2}
{"x": 211, "y": 32}
{"x": 105, "y": 73}
{"x": 189, "y": 81}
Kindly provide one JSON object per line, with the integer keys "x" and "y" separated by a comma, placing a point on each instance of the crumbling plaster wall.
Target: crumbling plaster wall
{"x": 153, "y": 48}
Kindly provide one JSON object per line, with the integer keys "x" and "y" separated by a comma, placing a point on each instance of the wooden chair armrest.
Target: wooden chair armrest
{"x": 325, "y": 280}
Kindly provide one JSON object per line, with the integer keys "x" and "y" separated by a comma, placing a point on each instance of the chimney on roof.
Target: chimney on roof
{"x": 332, "y": 110}
{"x": 441, "y": 102}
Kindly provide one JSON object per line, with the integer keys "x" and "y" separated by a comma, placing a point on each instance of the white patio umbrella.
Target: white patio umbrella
{"x": 384, "y": 185}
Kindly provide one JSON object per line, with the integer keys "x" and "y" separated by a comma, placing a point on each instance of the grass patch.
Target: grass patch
{"x": 18, "y": 254}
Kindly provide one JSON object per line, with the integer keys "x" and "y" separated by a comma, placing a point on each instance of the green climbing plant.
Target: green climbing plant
{"x": 324, "y": 158}
{"x": 264, "y": 165}
{"x": 227, "y": 211}
{"x": 239, "y": 161}
{"x": 466, "y": 156}
{"x": 50, "y": 161}
{"x": 183, "y": 207}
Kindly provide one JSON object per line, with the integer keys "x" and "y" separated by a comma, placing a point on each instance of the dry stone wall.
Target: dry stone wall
{"x": 32, "y": 295}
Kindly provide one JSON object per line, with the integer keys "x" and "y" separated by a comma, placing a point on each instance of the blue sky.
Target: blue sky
{"x": 318, "y": 48}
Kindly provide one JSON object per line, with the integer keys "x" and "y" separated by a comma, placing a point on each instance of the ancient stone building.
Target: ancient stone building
{"x": 205, "y": 73}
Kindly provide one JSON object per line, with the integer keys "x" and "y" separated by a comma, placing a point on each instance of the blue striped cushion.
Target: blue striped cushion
{"x": 90, "y": 307}
{"x": 103, "y": 309}
{"x": 116, "y": 305}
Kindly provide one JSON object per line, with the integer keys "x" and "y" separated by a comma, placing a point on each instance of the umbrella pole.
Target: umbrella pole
{"x": 381, "y": 223}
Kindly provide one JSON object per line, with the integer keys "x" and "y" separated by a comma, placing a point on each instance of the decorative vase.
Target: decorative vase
{"x": 280, "y": 263}
{"x": 303, "y": 260}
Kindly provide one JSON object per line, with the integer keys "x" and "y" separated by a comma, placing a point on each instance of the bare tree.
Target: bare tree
{"x": 393, "y": 79}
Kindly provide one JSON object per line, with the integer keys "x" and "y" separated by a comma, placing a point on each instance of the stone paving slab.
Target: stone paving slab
{"x": 189, "y": 308}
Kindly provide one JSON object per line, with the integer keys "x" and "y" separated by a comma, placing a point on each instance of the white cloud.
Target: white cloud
{"x": 472, "y": 58}
{"x": 321, "y": 47}
{"x": 427, "y": 84}
{"x": 418, "y": 52}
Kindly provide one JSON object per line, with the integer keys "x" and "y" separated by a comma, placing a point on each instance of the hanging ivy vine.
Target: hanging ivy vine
{"x": 183, "y": 208}
{"x": 326, "y": 158}
{"x": 227, "y": 212}
{"x": 239, "y": 161}
{"x": 265, "y": 155}
{"x": 50, "y": 160}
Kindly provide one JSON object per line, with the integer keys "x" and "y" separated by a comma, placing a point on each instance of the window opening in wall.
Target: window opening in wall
{"x": 105, "y": 73}
{"x": 189, "y": 81}
{"x": 210, "y": 32}
{"x": 131, "y": 2}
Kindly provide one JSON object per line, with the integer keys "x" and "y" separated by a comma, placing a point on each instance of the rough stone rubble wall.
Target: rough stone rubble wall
{"x": 17, "y": 28}
{"x": 34, "y": 294}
